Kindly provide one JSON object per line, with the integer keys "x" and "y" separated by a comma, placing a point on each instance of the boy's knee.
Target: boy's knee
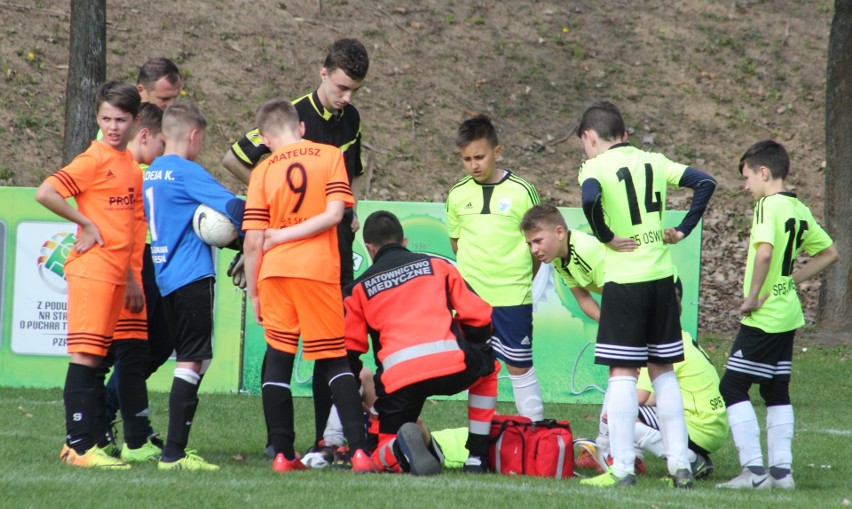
{"x": 734, "y": 389}
{"x": 132, "y": 355}
{"x": 518, "y": 370}
{"x": 278, "y": 366}
{"x": 776, "y": 392}
{"x": 331, "y": 368}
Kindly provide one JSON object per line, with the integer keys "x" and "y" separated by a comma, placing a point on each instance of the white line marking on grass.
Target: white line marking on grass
{"x": 24, "y": 402}
{"x": 18, "y": 434}
{"x": 830, "y": 431}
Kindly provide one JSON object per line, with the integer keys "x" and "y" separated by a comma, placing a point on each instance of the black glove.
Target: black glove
{"x": 237, "y": 271}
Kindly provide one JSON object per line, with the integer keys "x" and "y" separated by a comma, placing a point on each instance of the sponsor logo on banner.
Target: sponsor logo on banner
{"x": 51, "y": 262}
{"x": 40, "y": 293}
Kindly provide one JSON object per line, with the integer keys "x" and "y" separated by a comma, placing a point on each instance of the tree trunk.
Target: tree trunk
{"x": 835, "y": 308}
{"x": 86, "y": 71}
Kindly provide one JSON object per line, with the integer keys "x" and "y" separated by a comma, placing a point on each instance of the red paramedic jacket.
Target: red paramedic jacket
{"x": 405, "y": 302}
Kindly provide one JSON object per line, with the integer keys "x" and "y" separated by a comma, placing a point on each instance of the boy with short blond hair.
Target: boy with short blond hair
{"x": 762, "y": 353}
{"x": 579, "y": 259}
{"x": 174, "y": 188}
{"x": 106, "y": 184}
{"x": 577, "y": 256}
{"x": 484, "y": 210}
{"x": 295, "y": 200}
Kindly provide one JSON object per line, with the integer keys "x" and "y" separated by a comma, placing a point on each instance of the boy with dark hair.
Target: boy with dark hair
{"x": 484, "y": 210}
{"x": 762, "y": 353}
{"x": 106, "y": 184}
{"x": 159, "y": 82}
{"x": 331, "y": 119}
{"x": 174, "y": 187}
{"x": 130, "y": 350}
{"x": 423, "y": 347}
{"x": 639, "y": 315}
{"x": 295, "y": 200}
{"x": 146, "y": 142}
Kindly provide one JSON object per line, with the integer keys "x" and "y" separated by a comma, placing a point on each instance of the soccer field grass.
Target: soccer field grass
{"x": 229, "y": 431}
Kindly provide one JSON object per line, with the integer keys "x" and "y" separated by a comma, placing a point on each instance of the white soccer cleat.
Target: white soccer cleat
{"x": 314, "y": 460}
{"x": 588, "y": 455}
{"x": 747, "y": 480}
{"x": 785, "y": 483}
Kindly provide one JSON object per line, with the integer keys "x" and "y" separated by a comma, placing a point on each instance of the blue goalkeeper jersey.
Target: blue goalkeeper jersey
{"x": 173, "y": 188}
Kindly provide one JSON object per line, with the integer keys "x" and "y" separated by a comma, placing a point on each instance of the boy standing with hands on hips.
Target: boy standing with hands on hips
{"x": 106, "y": 184}
{"x": 762, "y": 353}
{"x": 624, "y": 199}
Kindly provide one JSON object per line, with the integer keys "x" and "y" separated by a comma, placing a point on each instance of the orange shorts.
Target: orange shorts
{"x": 93, "y": 308}
{"x": 134, "y": 325}
{"x": 290, "y": 306}
{"x": 131, "y": 325}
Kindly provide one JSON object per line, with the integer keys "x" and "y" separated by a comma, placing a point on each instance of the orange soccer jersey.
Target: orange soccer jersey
{"x": 107, "y": 185}
{"x": 292, "y": 185}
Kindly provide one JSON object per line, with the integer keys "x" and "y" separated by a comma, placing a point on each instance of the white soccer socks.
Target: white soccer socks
{"x": 671, "y": 420}
{"x": 188, "y": 375}
{"x": 779, "y": 436}
{"x": 333, "y": 434}
{"x": 649, "y": 439}
{"x": 602, "y": 440}
{"x": 622, "y": 408}
{"x": 527, "y": 394}
{"x": 746, "y": 434}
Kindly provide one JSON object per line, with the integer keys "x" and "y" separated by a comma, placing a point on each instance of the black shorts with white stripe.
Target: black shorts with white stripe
{"x": 760, "y": 356}
{"x": 189, "y": 310}
{"x": 640, "y": 323}
{"x": 513, "y": 332}
{"x": 648, "y": 416}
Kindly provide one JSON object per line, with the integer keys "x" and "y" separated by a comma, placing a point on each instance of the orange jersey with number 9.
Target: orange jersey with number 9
{"x": 292, "y": 185}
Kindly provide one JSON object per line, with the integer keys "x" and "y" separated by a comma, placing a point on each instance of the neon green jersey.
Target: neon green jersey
{"x": 633, "y": 196}
{"x": 788, "y": 225}
{"x": 703, "y": 406}
{"x": 492, "y": 252}
{"x": 453, "y": 445}
{"x": 144, "y": 167}
{"x": 583, "y": 267}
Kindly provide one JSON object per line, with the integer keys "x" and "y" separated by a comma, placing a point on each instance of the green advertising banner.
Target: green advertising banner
{"x": 35, "y": 244}
{"x": 563, "y": 351}
{"x": 33, "y": 304}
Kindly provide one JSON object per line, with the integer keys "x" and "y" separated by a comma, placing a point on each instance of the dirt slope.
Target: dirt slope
{"x": 698, "y": 81}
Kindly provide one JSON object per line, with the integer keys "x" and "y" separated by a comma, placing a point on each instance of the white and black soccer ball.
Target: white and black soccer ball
{"x": 213, "y": 227}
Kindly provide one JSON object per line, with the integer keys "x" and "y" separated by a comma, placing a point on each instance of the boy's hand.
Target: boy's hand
{"x": 356, "y": 225}
{"x": 255, "y": 304}
{"x": 752, "y": 303}
{"x": 621, "y": 244}
{"x": 271, "y": 238}
{"x": 134, "y": 297}
{"x": 237, "y": 271}
{"x": 672, "y": 236}
{"x": 89, "y": 235}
